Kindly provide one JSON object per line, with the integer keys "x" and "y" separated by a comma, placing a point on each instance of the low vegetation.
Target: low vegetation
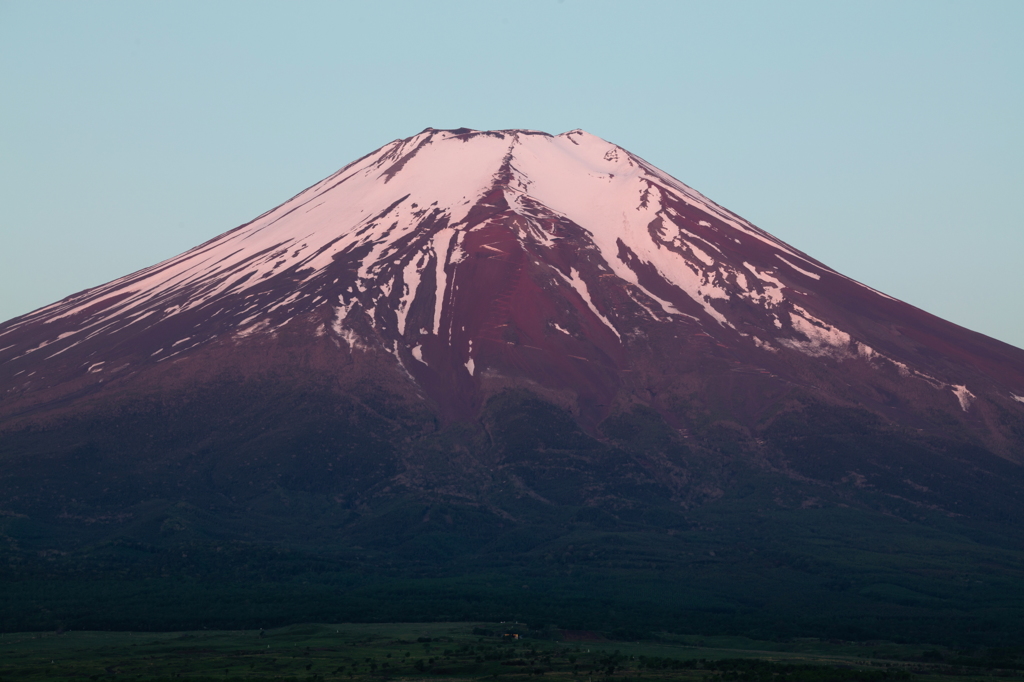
{"x": 477, "y": 651}
{"x": 803, "y": 527}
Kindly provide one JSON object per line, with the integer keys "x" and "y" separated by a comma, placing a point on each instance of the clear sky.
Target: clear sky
{"x": 885, "y": 139}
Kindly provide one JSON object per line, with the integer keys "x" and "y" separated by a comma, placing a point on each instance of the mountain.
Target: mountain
{"x": 473, "y": 356}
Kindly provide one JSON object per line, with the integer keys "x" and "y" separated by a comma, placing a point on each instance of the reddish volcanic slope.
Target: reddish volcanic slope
{"x": 459, "y": 262}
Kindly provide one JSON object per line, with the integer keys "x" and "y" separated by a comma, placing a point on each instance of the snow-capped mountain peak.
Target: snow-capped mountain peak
{"x": 470, "y": 256}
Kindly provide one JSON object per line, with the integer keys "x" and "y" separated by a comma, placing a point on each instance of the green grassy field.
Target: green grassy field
{"x": 471, "y": 651}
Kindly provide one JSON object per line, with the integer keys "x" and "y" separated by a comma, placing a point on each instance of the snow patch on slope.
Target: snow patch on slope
{"x": 930, "y": 380}
{"x": 771, "y": 295}
{"x": 576, "y": 282}
{"x": 798, "y": 269}
{"x": 964, "y": 396}
{"x": 822, "y": 339}
{"x": 343, "y": 332}
{"x": 551, "y": 169}
{"x": 411, "y": 274}
{"x": 440, "y": 245}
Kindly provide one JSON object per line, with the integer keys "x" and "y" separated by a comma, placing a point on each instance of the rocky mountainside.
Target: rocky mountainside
{"x": 484, "y": 348}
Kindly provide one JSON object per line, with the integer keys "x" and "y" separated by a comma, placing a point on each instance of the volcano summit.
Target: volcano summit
{"x": 479, "y": 260}
{"x": 485, "y": 349}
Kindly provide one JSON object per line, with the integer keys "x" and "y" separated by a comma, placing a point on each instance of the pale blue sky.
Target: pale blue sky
{"x": 883, "y": 138}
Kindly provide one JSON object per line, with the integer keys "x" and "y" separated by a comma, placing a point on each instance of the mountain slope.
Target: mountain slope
{"x": 475, "y": 257}
{"x": 470, "y": 353}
